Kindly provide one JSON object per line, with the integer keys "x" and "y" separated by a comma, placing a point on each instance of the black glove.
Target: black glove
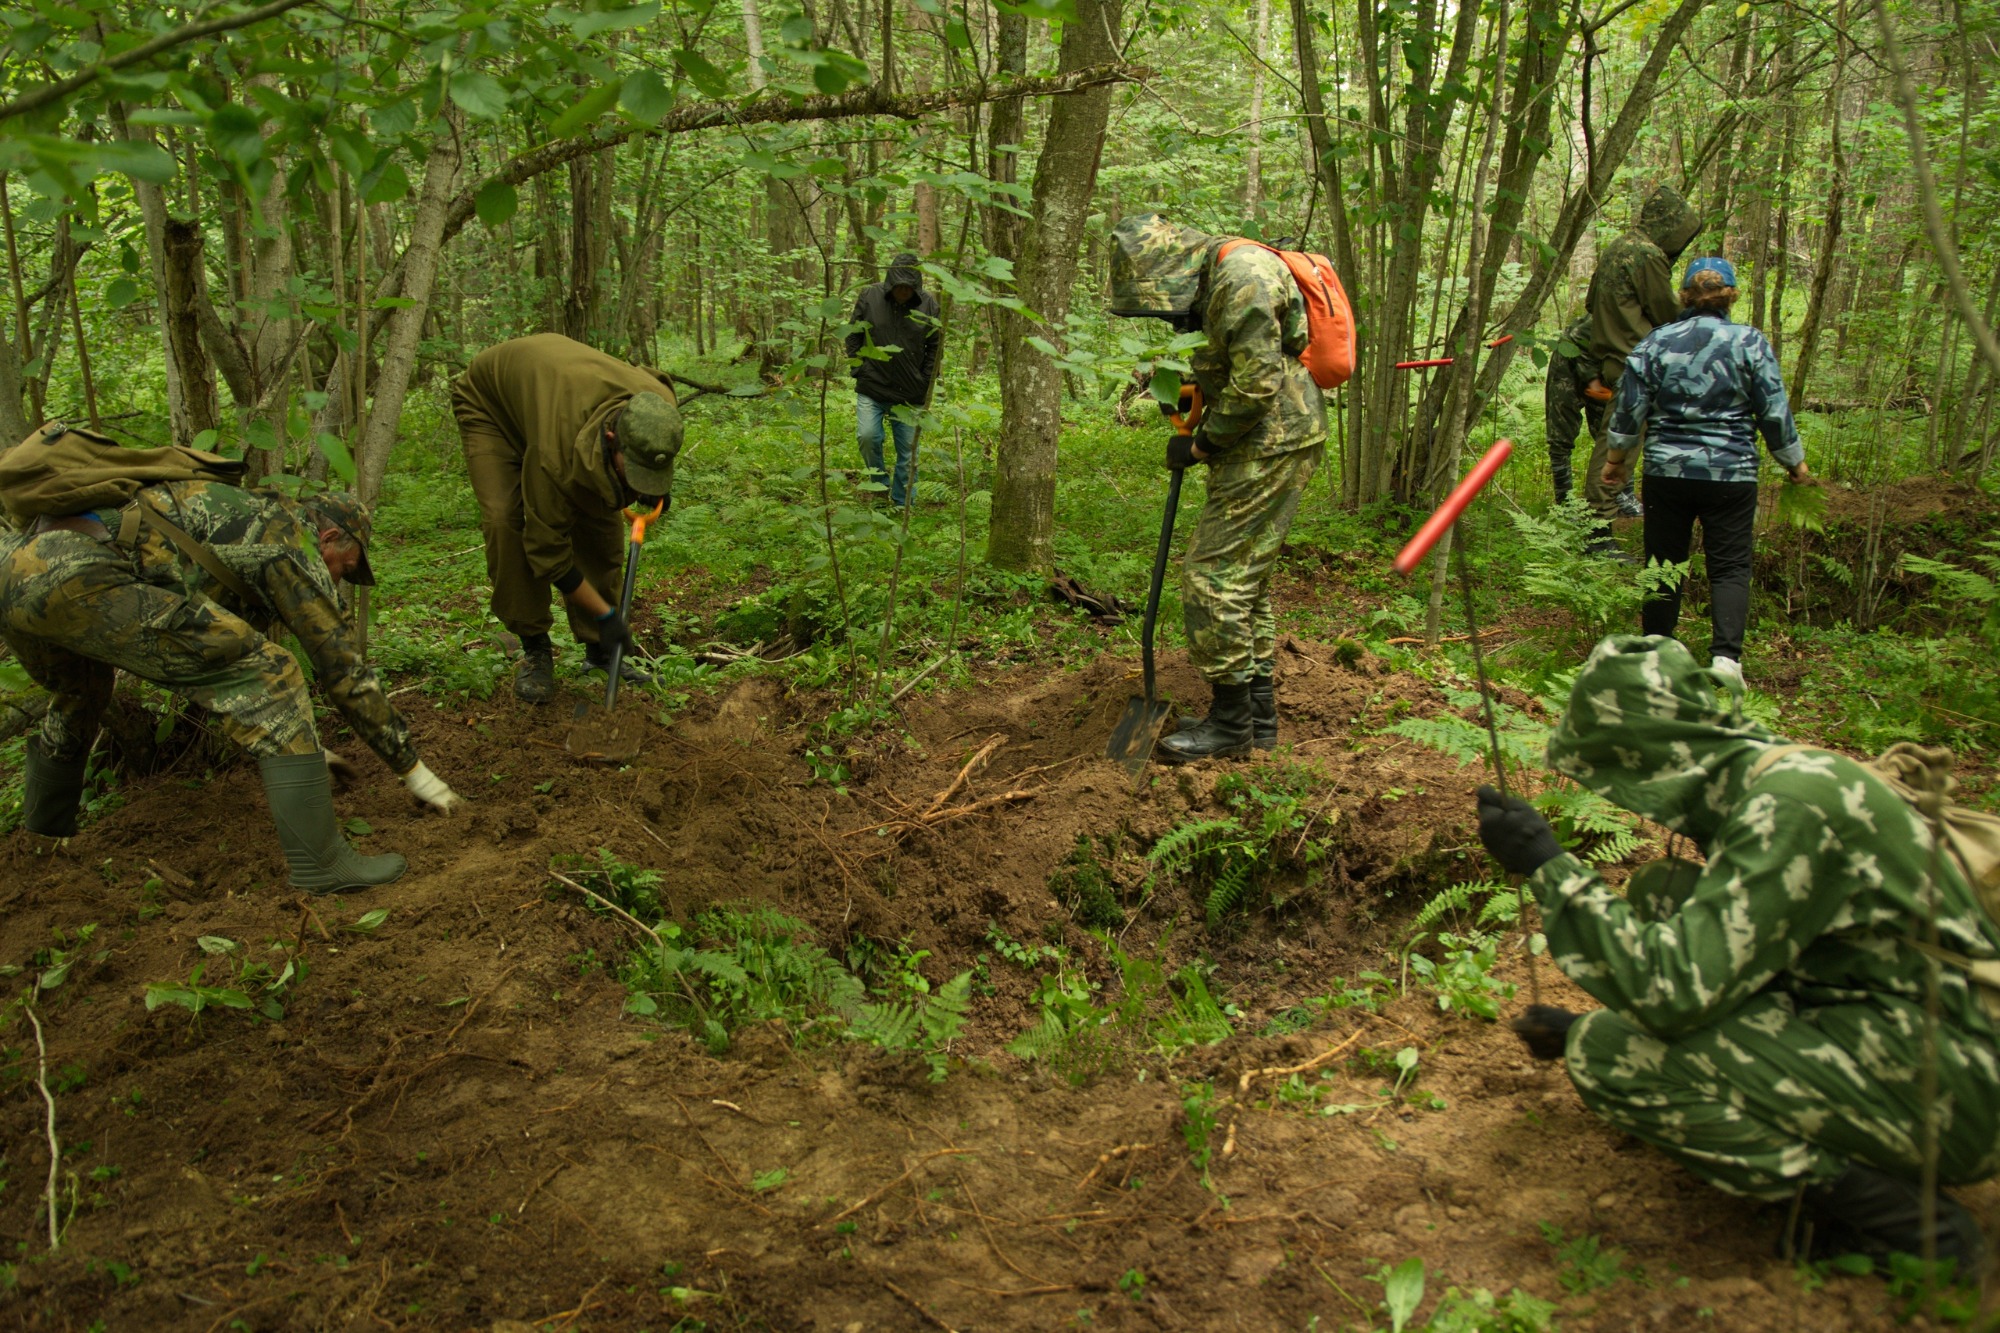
{"x": 1515, "y": 833}
{"x": 613, "y": 632}
{"x": 1544, "y": 1030}
{"x": 1180, "y": 452}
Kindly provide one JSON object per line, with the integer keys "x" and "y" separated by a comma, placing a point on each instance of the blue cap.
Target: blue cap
{"x": 1722, "y": 268}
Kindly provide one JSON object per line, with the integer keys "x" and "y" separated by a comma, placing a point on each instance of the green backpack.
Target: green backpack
{"x": 62, "y": 469}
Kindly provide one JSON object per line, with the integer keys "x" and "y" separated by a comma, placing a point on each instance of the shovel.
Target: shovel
{"x": 1133, "y": 738}
{"x": 599, "y": 736}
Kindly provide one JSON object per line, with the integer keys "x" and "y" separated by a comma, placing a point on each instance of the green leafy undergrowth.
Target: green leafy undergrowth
{"x": 1459, "y": 1310}
{"x": 257, "y": 986}
{"x": 1463, "y": 980}
{"x": 1084, "y": 885}
{"x": 734, "y": 966}
{"x": 1585, "y": 1263}
{"x": 1269, "y": 846}
{"x": 1154, "y": 1012}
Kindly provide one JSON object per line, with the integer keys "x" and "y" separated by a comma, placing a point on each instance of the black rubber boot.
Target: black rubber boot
{"x": 51, "y": 790}
{"x": 1864, "y": 1210}
{"x": 1264, "y": 712}
{"x": 301, "y": 796}
{"x": 1227, "y": 730}
{"x": 535, "y": 674}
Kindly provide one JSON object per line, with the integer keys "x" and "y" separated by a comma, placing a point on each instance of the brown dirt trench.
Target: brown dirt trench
{"x": 456, "y": 1126}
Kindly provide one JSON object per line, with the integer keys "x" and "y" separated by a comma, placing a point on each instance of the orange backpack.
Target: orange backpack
{"x": 1329, "y": 352}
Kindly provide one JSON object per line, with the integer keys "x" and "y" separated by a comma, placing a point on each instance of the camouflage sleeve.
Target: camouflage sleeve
{"x": 1769, "y": 405}
{"x": 1634, "y": 401}
{"x": 1245, "y": 334}
{"x": 548, "y": 518}
{"x": 306, "y": 602}
{"x": 1777, "y": 877}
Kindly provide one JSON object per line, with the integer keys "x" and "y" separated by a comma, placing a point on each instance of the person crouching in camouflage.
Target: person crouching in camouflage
{"x": 1765, "y": 1020}
{"x": 1262, "y": 434}
{"x": 85, "y": 595}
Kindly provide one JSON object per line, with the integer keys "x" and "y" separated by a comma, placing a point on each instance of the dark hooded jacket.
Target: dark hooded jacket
{"x": 904, "y": 377}
{"x": 1633, "y": 290}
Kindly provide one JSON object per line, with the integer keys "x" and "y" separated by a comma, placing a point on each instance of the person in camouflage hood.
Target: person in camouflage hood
{"x": 1261, "y": 434}
{"x": 1631, "y": 293}
{"x": 1764, "y": 1019}
{"x": 83, "y": 596}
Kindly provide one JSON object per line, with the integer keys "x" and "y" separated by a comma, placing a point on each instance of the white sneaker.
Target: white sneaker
{"x": 1730, "y": 670}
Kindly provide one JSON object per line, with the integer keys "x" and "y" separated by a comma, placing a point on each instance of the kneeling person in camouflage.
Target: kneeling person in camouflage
{"x": 1262, "y": 433}
{"x": 87, "y": 594}
{"x": 1765, "y": 1012}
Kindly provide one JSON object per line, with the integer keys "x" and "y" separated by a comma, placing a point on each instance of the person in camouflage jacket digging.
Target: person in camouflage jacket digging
{"x": 1765, "y": 1012}
{"x": 1262, "y": 434}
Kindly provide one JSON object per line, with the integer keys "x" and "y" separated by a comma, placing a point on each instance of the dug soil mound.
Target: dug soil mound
{"x": 448, "y": 1119}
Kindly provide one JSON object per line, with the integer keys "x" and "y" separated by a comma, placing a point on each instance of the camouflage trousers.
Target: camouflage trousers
{"x": 1232, "y": 633}
{"x": 74, "y": 613}
{"x": 1565, "y": 411}
{"x": 1778, "y": 1092}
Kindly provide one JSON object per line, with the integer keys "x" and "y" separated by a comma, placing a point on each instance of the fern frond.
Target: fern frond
{"x": 1446, "y": 733}
{"x": 1179, "y": 848}
{"x": 1457, "y": 898}
{"x": 1614, "y": 847}
{"x": 944, "y": 1013}
{"x": 1228, "y": 889}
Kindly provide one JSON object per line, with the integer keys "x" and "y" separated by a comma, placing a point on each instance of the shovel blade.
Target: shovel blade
{"x": 600, "y": 736}
{"x": 1132, "y": 739}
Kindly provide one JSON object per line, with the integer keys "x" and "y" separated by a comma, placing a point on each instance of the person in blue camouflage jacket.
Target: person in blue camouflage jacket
{"x": 1703, "y": 389}
{"x": 1775, "y": 1019}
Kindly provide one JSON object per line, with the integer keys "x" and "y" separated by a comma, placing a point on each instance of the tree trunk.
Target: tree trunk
{"x": 1253, "y": 154}
{"x": 1829, "y": 249}
{"x": 420, "y": 266}
{"x": 183, "y": 291}
{"x": 1024, "y": 489}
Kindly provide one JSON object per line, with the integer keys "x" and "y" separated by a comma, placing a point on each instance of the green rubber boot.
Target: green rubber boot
{"x": 301, "y": 796}
{"x": 51, "y": 790}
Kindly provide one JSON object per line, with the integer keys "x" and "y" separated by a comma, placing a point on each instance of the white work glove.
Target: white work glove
{"x": 429, "y": 788}
{"x": 340, "y": 768}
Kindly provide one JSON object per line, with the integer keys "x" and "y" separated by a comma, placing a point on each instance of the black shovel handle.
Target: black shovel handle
{"x": 1159, "y": 578}
{"x": 625, "y": 613}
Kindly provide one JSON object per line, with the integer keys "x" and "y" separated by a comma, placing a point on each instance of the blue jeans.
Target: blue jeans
{"x": 870, "y": 416}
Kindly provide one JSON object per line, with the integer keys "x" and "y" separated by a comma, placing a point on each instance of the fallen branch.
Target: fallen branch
{"x": 978, "y": 760}
{"x": 1324, "y": 1057}
{"x": 918, "y": 1306}
{"x": 1123, "y": 1150}
{"x": 952, "y": 812}
{"x": 848, "y": 1212}
{"x": 55, "y": 1144}
{"x": 613, "y": 908}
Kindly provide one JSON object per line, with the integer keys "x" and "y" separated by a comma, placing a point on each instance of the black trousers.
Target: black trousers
{"x": 1727, "y": 512}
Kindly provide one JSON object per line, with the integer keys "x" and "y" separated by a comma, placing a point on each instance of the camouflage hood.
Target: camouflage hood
{"x": 1669, "y": 221}
{"x": 1156, "y": 266}
{"x": 1646, "y": 729}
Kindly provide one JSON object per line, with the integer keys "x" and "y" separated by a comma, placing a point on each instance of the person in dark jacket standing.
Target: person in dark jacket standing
{"x": 897, "y": 355}
{"x": 1703, "y": 389}
{"x": 1631, "y": 293}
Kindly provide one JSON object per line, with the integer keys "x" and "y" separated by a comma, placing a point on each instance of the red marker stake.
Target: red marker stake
{"x": 1454, "y": 504}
